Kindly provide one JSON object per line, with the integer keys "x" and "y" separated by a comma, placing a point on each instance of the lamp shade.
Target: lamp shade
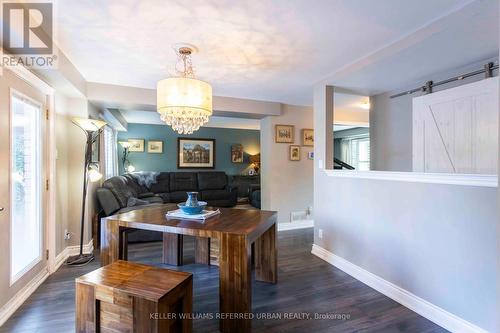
{"x": 184, "y": 103}
{"x": 94, "y": 175}
{"x": 88, "y": 124}
{"x": 255, "y": 158}
{"x": 185, "y": 93}
{"x": 125, "y": 144}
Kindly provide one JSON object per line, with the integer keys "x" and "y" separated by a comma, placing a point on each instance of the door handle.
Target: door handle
{"x": 1, "y": 209}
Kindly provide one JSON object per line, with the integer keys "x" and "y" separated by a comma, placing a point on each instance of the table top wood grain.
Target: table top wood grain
{"x": 250, "y": 223}
{"x": 147, "y": 282}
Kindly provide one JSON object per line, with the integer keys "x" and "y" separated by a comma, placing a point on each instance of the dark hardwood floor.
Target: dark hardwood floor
{"x": 307, "y": 285}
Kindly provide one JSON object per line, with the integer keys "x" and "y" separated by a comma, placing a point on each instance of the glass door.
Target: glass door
{"x": 26, "y": 184}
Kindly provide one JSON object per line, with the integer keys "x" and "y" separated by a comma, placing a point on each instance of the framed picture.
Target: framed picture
{"x": 195, "y": 153}
{"x": 136, "y": 145}
{"x": 294, "y": 153}
{"x": 237, "y": 153}
{"x": 310, "y": 155}
{"x": 307, "y": 137}
{"x": 284, "y": 133}
{"x": 155, "y": 147}
{"x": 96, "y": 149}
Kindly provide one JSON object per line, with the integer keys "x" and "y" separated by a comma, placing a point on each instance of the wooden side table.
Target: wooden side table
{"x": 131, "y": 297}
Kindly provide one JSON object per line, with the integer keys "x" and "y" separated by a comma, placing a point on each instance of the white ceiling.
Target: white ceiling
{"x": 257, "y": 49}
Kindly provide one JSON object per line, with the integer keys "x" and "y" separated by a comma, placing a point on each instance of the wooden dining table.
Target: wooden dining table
{"x": 236, "y": 230}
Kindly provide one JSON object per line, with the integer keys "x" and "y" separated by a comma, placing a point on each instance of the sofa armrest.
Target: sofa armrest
{"x": 232, "y": 188}
{"x": 254, "y": 187}
{"x": 107, "y": 201}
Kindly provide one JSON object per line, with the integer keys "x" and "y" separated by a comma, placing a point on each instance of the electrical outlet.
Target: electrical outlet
{"x": 67, "y": 234}
{"x": 320, "y": 233}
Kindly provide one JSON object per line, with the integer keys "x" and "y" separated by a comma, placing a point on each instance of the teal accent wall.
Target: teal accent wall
{"x": 167, "y": 161}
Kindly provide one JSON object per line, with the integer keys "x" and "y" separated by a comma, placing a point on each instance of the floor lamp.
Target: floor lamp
{"x": 92, "y": 129}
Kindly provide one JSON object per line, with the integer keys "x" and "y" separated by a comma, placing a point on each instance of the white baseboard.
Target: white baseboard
{"x": 301, "y": 224}
{"x": 15, "y": 302}
{"x": 72, "y": 251}
{"x": 424, "y": 308}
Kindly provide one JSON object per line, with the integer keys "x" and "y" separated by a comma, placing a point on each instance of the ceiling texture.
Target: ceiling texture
{"x": 276, "y": 50}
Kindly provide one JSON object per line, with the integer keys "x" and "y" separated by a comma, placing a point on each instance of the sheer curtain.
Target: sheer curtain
{"x": 110, "y": 152}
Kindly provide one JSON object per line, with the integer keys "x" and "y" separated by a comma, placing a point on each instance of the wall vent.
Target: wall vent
{"x": 299, "y": 215}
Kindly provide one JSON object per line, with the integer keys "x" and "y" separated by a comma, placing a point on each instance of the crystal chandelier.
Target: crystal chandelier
{"x": 183, "y": 102}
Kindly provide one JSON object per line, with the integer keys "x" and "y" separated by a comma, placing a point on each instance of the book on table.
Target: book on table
{"x": 205, "y": 214}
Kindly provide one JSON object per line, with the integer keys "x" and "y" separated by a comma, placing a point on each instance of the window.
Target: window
{"x": 25, "y": 191}
{"x": 356, "y": 152}
{"x": 110, "y": 153}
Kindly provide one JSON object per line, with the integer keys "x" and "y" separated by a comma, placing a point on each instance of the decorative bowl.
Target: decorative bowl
{"x": 191, "y": 210}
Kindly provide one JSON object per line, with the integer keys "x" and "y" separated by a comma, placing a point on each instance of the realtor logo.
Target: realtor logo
{"x": 27, "y": 34}
{"x": 27, "y": 28}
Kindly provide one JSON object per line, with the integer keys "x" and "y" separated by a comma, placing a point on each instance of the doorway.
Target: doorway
{"x": 23, "y": 184}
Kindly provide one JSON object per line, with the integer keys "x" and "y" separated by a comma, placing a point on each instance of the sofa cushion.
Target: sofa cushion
{"x": 129, "y": 209}
{"x": 119, "y": 187}
{"x": 179, "y": 196}
{"x": 183, "y": 181}
{"x": 155, "y": 199}
{"x": 136, "y": 188}
{"x": 162, "y": 184}
{"x": 164, "y": 196}
{"x": 215, "y": 195}
{"x": 213, "y": 180}
{"x": 133, "y": 201}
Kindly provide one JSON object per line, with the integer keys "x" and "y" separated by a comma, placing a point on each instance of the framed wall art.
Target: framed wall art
{"x": 307, "y": 137}
{"x": 155, "y": 146}
{"x": 284, "y": 134}
{"x": 237, "y": 153}
{"x": 136, "y": 145}
{"x": 294, "y": 153}
{"x": 195, "y": 153}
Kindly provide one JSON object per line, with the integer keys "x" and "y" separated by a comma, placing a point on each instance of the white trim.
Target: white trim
{"x": 352, "y": 123}
{"x": 424, "y": 308}
{"x": 295, "y": 225}
{"x": 71, "y": 251}
{"x": 418, "y": 177}
{"x": 30, "y": 78}
{"x": 15, "y": 302}
{"x": 50, "y": 174}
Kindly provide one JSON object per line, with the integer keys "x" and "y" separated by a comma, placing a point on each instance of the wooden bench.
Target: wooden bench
{"x": 131, "y": 297}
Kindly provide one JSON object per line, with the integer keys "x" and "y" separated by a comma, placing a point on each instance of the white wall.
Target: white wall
{"x": 286, "y": 185}
{"x": 438, "y": 242}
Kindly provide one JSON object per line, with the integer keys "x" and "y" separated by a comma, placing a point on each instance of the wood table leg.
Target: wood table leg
{"x": 202, "y": 250}
{"x": 124, "y": 244}
{"x": 235, "y": 283}
{"x": 110, "y": 242}
{"x": 172, "y": 249}
{"x": 266, "y": 256}
{"x": 86, "y": 320}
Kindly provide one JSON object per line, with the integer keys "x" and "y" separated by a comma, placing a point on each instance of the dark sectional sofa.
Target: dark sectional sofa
{"x": 137, "y": 190}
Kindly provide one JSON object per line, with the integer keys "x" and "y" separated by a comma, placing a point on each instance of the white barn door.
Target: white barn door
{"x": 456, "y": 130}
